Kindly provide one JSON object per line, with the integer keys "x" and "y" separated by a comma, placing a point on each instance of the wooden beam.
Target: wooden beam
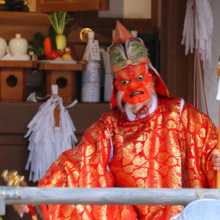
{"x": 154, "y": 12}
{"x": 18, "y": 64}
{"x": 69, "y": 6}
{"x": 103, "y": 4}
{"x": 10, "y": 18}
{"x": 25, "y": 23}
{"x": 61, "y": 67}
{"x": 177, "y": 70}
{"x": 15, "y": 117}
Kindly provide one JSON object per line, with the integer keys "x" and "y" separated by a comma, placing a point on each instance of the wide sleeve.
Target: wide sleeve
{"x": 198, "y": 138}
{"x": 84, "y": 166}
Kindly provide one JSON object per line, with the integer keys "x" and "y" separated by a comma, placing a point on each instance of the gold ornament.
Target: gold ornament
{"x": 12, "y": 178}
{"x": 84, "y": 34}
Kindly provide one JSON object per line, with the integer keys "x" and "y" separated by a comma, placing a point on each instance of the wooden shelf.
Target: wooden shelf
{"x": 73, "y": 5}
{"x": 61, "y": 66}
{"x": 18, "y": 64}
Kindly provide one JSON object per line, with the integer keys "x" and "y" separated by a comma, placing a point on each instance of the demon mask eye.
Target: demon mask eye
{"x": 124, "y": 82}
{"x": 140, "y": 78}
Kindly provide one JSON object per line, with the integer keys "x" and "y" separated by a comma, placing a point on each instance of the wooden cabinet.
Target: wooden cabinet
{"x": 71, "y": 5}
{"x": 13, "y": 79}
{"x": 64, "y": 76}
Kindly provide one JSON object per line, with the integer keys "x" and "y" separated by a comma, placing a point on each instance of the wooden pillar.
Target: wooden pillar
{"x": 177, "y": 69}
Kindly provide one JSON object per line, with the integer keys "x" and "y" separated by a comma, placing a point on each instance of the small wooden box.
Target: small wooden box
{"x": 64, "y": 76}
{"x": 13, "y": 79}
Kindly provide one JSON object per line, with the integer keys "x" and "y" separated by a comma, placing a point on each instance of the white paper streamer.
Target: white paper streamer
{"x": 91, "y": 83}
{"x": 198, "y": 26}
{"x": 91, "y": 77}
{"x": 47, "y": 142}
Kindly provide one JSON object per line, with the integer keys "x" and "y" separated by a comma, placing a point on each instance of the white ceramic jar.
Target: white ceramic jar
{"x": 3, "y": 47}
{"x": 18, "y": 45}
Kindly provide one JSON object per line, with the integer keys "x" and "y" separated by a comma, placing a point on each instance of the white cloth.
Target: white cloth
{"x": 198, "y": 33}
{"x": 200, "y": 209}
{"x": 198, "y": 26}
{"x": 47, "y": 142}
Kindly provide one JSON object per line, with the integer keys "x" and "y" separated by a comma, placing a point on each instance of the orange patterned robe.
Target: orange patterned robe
{"x": 162, "y": 150}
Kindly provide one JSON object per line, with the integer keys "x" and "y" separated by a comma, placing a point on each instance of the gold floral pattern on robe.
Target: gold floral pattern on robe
{"x": 162, "y": 150}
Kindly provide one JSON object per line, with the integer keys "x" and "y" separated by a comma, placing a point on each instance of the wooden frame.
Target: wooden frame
{"x": 62, "y": 5}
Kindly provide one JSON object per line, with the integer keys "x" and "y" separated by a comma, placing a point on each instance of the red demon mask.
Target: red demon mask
{"x": 136, "y": 83}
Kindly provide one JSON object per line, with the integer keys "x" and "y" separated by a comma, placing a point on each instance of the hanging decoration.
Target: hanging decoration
{"x": 48, "y": 138}
{"x": 198, "y": 26}
{"x": 197, "y": 33}
{"x": 91, "y": 76}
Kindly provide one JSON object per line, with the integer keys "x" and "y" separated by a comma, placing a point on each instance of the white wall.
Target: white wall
{"x": 128, "y": 9}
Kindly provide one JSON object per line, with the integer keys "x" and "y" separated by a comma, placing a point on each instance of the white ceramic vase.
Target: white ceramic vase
{"x": 25, "y": 57}
{"x": 18, "y": 45}
{"x": 3, "y": 47}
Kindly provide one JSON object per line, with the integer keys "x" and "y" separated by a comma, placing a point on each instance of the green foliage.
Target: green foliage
{"x": 39, "y": 40}
{"x": 37, "y": 51}
{"x": 52, "y": 37}
{"x": 129, "y": 28}
{"x": 1, "y": 218}
{"x": 59, "y": 20}
{"x": 38, "y": 46}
